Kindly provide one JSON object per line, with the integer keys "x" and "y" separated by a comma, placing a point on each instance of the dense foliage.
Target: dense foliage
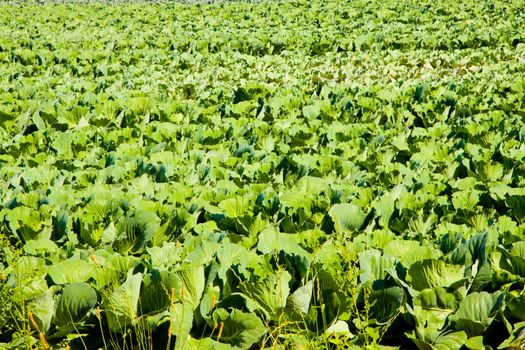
{"x": 300, "y": 174}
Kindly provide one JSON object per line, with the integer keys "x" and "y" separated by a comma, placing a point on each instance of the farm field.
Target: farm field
{"x": 272, "y": 175}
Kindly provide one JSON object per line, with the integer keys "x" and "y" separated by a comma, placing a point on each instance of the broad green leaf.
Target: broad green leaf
{"x": 303, "y": 192}
{"x": 76, "y": 300}
{"x": 512, "y": 263}
{"x": 236, "y": 206}
{"x": 71, "y": 270}
{"x": 466, "y": 200}
{"x": 201, "y": 254}
{"x": 387, "y": 304}
{"x": 328, "y": 256}
{"x": 122, "y": 305}
{"x": 29, "y": 266}
{"x": 165, "y": 257}
{"x": 268, "y": 296}
{"x": 386, "y": 205}
{"x": 447, "y": 341}
{"x": 347, "y": 217}
{"x": 269, "y": 241}
{"x": 515, "y": 305}
{"x": 193, "y": 281}
{"x": 312, "y": 111}
{"x": 155, "y": 294}
{"x": 436, "y": 298}
{"x": 205, "y": 344}
{"x": 434, "y": 273}
{"x": 340, "y": 328}
{"x": 518, "y": 249}
{"x": 420, "y": 93}
{"x": 373, "y": 265}
{"x": 240, "y": 329}
{"x": 40, "y": 247}
{"x": 113, "y": 267}
{"x": 477, "y": 311}
{"x": 431, "y": 309}
{"x": 42, "y": 308}
{"x": 516, "y": 340}
{"x": 134, "y": 232}
{"x": 450, "y": 341}
{"x": 181, "y": 321}
{"x": 475, "y": 343}
{"x": 299, "y": 301}
{"x": 410, "y": 252}
{"x": 230, "y": 254}
{"x": 26, "y": 222}
{"x": 209, "y": 301}
{"x": 272, "y": 241}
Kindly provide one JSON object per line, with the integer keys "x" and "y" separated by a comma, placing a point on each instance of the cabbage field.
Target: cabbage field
{"x": 304, "y": 174}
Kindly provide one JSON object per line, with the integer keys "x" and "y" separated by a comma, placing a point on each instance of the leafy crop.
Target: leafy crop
{"x": 303, "y": 174}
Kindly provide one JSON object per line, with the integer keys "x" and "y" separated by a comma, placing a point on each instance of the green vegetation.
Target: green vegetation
{"x": 303, "y": 174}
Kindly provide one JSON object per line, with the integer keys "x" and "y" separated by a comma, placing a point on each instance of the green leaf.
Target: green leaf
{"x": 122, "y": 305}
{"x": 386, "y": 205}
{"x": 386, "y": 304}
{"x": 477, "y": 311}
{"x": 373, "y": 265}
{"x": 25, "y": 222}
{"x": 410, "y": 252}
{"x": 304, "y": 192}
{"x": 475, "y": 343}
{"x": 236, "y": 206}
{"x": 328, "y": 256}
{"x": 431, "y": 309}
{"x": 42, "y": 247}
{"x": 450, "y": 341}
{"x": 201, "y": 254}
{"x": 165, "y": 257}
{"x": 231, "y": 254}
{"x": 74, "y": 304}
{"x": 193, "y": 281}
{"x": 71, "y": 270}
{"x": 466, "y": 200}
{"x": 272, "y": 241}
{"x": 43, "y": 307}
{"x": 205, "y": 344}
{"x": 134, "y": 232}
{"x": 114, "y": 267}
{"x": 434, "y": 273}
{"x": 240, "y": 329}
{"x": 347, "y": 217}
{"x": 269, "y": 241}
{"x": 515, "y": 305}
{"x": 436, "y": 298}
{"x": 312, "y": 111}
{"x": 513, "y": 263}
{"x": 268, "y": 296}
{"x": 340, "y": 328}
{"x": 419, "y": 94}
{"x": 299, "y": 301}
{"x": 518, "y": 249}
{"x": 209, "y": 301}
{"x": 516, "y": 340}
{"x": 154, "y": 294}
{"x": 181, "y": 321}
